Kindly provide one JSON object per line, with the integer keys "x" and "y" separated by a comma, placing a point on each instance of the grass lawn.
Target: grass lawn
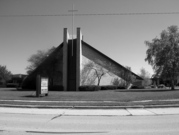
{"x": 117, "y": 97}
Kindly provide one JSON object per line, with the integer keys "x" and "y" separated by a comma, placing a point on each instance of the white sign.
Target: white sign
{"x": 44, "y": 85}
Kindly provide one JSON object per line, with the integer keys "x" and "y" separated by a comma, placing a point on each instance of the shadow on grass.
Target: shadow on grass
{"x": 8, "y": 89}
{"x": 30, "y": 96}
{"x": 15, "y": 89}
{"x": 147, "y": 90}
{"x": 33, "y": 95}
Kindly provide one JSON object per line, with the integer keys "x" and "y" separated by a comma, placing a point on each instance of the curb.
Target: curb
{"x": 90, "y": 107}
{"x": 45, "y": 106}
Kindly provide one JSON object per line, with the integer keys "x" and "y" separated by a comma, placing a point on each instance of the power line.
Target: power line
{"x": 97, "y": 14}
{"x": 33, "y": 15}
{"x": 156, "y": 13}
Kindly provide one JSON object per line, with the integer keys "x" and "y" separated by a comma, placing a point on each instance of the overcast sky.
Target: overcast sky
{"x": 121, "y": 37}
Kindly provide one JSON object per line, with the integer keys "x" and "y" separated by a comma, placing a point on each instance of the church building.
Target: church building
{"x": 63, "y": 66}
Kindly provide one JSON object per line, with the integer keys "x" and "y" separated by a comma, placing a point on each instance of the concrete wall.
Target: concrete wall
{"x": 78, "y": 57}
{"x": 71, "y": 70}
{"x": 65, "y": 58}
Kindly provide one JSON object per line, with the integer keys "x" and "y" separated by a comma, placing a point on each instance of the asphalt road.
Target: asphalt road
{"x": 50, "y": 124}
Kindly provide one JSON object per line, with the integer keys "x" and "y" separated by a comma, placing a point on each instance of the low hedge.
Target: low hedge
{"x": 108, "y": 87}
{"x": 96, "y": 88}
{"x": 89, "y": 88}
{"x": 121, "y": 87}
{"x": 111, "y": 87}
{"x": 56, "y": 88}
{"x": 137, "y": 87}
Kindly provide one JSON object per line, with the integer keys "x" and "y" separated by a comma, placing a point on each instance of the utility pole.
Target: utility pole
{"x": 72, "y": 23}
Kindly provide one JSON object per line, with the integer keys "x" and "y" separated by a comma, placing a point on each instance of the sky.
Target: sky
{"x": 120, "y": 37}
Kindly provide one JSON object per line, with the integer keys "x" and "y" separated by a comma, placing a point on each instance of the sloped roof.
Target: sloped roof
{"x": 31, "y": 78}
{"x": 137, "y": 77}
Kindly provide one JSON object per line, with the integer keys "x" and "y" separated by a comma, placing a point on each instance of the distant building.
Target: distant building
{"x": 2, "y": 82}
{"x": 16, "y": 80}
{"x": 157, "y": 80}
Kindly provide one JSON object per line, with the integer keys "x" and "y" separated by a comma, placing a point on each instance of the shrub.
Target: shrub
{"x": 109, "y": 87}
{"x": 121, "y": 87}
{"x": 56, "y": 88}
{"x": 89, "y": 88}
{"x": 137, "y": 87}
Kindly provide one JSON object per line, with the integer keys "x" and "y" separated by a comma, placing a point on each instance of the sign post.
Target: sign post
{"x": 41, "y": 86}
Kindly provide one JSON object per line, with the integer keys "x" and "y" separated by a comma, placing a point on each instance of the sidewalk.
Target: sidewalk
{"x": 134, "y": 110}
{"x": 93, "y": 112}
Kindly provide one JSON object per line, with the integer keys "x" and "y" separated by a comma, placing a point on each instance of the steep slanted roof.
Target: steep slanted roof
{"x": 101, "y": 55}
{"x": 48, "y": 67}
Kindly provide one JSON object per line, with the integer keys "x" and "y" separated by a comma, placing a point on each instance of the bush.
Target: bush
{"x": 112, "y": 87}
{"x": 89, "y": 88}
{"x": 121, "y": 87}
{"x": 11, "y": 85}
{"x": 109, "y": 87}
{"x": 137, "y": 87}
{"x": 56, "y": 88}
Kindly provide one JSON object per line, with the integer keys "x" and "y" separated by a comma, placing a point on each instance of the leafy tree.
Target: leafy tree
{"x": 5, "y": 74}
{"x": 163, "y": 53}
{"x": 36, "y": 59}
{"x": 146, "y": 76}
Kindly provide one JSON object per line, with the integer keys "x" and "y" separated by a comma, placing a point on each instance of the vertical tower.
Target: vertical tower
{"x": 65, "y": 58}
{"x": 71, "y": 61}
{"x": 78, "y": 57}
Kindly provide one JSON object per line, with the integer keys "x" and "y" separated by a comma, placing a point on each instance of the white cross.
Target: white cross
{"x": 72, "y": 23}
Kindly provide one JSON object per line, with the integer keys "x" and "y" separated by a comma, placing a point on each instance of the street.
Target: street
{"x": 50, "y": 124}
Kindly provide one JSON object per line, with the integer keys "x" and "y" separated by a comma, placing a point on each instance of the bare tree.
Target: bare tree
{"x": 99, "y": 72}
{"x": 91, "y": 72}
{"x": 87, "y": 76}
{"x": 146, "y": 76}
